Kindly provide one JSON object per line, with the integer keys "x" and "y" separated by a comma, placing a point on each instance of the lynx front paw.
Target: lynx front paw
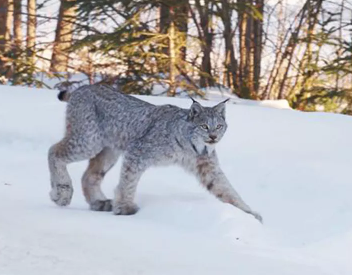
{"x": 101, "y": 205}
{"x": 125, "y": 208}
{"x": 61, "y": 194}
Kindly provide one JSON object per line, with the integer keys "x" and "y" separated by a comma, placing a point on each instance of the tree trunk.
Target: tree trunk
{"x": 249, "y": 44}
{"x": 172, "y": 72}
{"x": 206, "y": 36}
{"x": 9, "y": 26}
{"x": 181, "y": 22}
{"x": 257, "y": 45}
{"x": 31, "y": 30}
{"x": 17, "y": 26}
{"x": 164, "y": 23}
{"x": 250, "y": 36}
{"x": 180, "y": 13}
{"x": 9, "y": 23}
{"x": 340, "y": 50}
{"x": 230, "y": 60}
{"x": 18, "y": 37}
{"x": 244, "y": 50}
{"x": 63, "y": 36}
{"x": 3, "y": 21}
{"x": 3, "y": 31}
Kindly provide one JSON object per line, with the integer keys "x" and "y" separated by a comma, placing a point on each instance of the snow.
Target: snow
{"x": 216, "y": 94}
{"x": 292, "y": 167}
{"x": 211, "y": 93}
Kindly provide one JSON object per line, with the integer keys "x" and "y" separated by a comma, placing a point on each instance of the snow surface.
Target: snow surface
{"x": 292, "y": 167}
{"x": 216, "y": 94}
{"x": 211, "y": 93}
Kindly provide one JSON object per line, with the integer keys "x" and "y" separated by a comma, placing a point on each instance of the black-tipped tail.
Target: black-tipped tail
{"x": 63, "y": 96}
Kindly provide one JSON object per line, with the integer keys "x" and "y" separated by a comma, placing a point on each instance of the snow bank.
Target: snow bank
{"x": 218, "y": 94}
{"x": 292, "y": 167}
{"x": 211, "y": 93}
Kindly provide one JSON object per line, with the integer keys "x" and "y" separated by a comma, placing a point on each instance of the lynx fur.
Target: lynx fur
{"x": 102, "y": 124}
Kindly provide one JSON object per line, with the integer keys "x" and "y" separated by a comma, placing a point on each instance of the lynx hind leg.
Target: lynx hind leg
{"x": 93, "y": 177}
{"x": 70, "y": 149}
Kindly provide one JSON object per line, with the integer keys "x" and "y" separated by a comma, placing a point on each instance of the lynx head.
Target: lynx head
{"x": 209, "y": 122}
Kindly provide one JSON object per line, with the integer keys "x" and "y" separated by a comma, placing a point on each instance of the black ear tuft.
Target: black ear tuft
{"x": 226, "y": 100}
{"x": 192, "y": 99}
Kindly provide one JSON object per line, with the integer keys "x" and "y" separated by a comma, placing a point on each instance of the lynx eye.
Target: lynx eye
{"x": 204, "y": 126}
{"x": 219, "y": 126}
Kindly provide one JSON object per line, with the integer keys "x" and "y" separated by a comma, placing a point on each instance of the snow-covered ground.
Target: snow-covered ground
{"x": 292, "y": 167}
{"x": 211, "y": 93}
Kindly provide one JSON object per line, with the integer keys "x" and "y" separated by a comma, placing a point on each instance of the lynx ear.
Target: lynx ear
{"x": 195, "y": 110}
{"x": 220, "y": 108}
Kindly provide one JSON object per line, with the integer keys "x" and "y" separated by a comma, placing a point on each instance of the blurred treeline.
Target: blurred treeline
{"x": 276, "y": 49}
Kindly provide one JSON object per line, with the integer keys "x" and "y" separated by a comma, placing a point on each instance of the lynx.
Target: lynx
{"x": 102, "y": 124}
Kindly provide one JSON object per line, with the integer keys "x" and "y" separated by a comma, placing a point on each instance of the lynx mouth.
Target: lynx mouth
{"x": 211, "y": 141}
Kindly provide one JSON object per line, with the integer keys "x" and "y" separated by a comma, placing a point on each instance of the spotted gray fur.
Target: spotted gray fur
{"x": 102, "y": 123}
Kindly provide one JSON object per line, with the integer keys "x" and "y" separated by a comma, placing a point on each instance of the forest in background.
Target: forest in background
{"x": 299, "y": 50}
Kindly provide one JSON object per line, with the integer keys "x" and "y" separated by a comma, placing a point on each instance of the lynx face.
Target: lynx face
{"x": 209, "y": 122}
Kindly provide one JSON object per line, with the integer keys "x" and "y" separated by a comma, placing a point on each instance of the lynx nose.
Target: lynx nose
{"x": 213, "y": 137}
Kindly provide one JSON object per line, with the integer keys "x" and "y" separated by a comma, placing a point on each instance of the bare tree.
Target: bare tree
{"x": 172, "y": 50}
{"x": 3, "y": 31}
{"x": 225, "y": 12}
{"x": 9, "y": 23}
{"x": 3, "y": 20}
{"x": 205, "y": 32}
{"x": 250, "y": 14}
{"x": 63, "y": 36}
{"x": 284, "y": 57}
{"x": 17, "y": 26}
{"x": 257, "y": 44}
{"x": 31, "y": 30}
{"x": 312, "y": 8}
{"x": 181, "y": 22}
{"x": 306, "y": 72}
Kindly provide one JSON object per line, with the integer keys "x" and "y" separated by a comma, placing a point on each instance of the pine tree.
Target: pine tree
{"x": 152, "y": 52}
